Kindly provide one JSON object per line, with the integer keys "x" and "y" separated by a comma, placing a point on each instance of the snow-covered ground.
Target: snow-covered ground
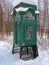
{"x": 6, "y": 57}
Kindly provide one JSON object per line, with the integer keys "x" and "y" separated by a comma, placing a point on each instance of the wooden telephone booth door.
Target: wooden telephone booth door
{"x": 28, "y": 30}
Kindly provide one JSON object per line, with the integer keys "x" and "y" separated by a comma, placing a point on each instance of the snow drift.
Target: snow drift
{"x": 6, "y": 57}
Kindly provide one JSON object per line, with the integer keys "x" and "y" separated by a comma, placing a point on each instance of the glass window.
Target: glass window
{"x": 28, "y": 16}
{"x": 29, "y": 32}
{"x": 17, "y": 17}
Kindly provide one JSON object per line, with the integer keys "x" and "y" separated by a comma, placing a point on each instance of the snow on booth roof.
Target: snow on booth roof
{"x": 22, "y": 9}
{"x": 25, "y": 9}
{"x": 16, "y": 2}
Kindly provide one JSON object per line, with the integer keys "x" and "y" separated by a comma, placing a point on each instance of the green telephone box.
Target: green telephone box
{"x": 25, "y": 25}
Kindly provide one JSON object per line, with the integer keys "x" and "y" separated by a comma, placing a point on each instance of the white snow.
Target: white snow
{"x": 37, "y": 12}
{"x": 16, "y": 2}
{"x": 22, "y": 9}
{"x": 6, "y": 57}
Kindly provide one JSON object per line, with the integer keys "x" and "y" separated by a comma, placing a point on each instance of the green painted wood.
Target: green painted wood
{"x": 32, "y": 8}
{"x": 20, "y": 26}
{"x": 23, "y": 31}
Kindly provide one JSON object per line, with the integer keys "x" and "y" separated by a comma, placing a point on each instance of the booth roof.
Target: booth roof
{"x": 16, "y": 2}
{"x": 24, "y": 10}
